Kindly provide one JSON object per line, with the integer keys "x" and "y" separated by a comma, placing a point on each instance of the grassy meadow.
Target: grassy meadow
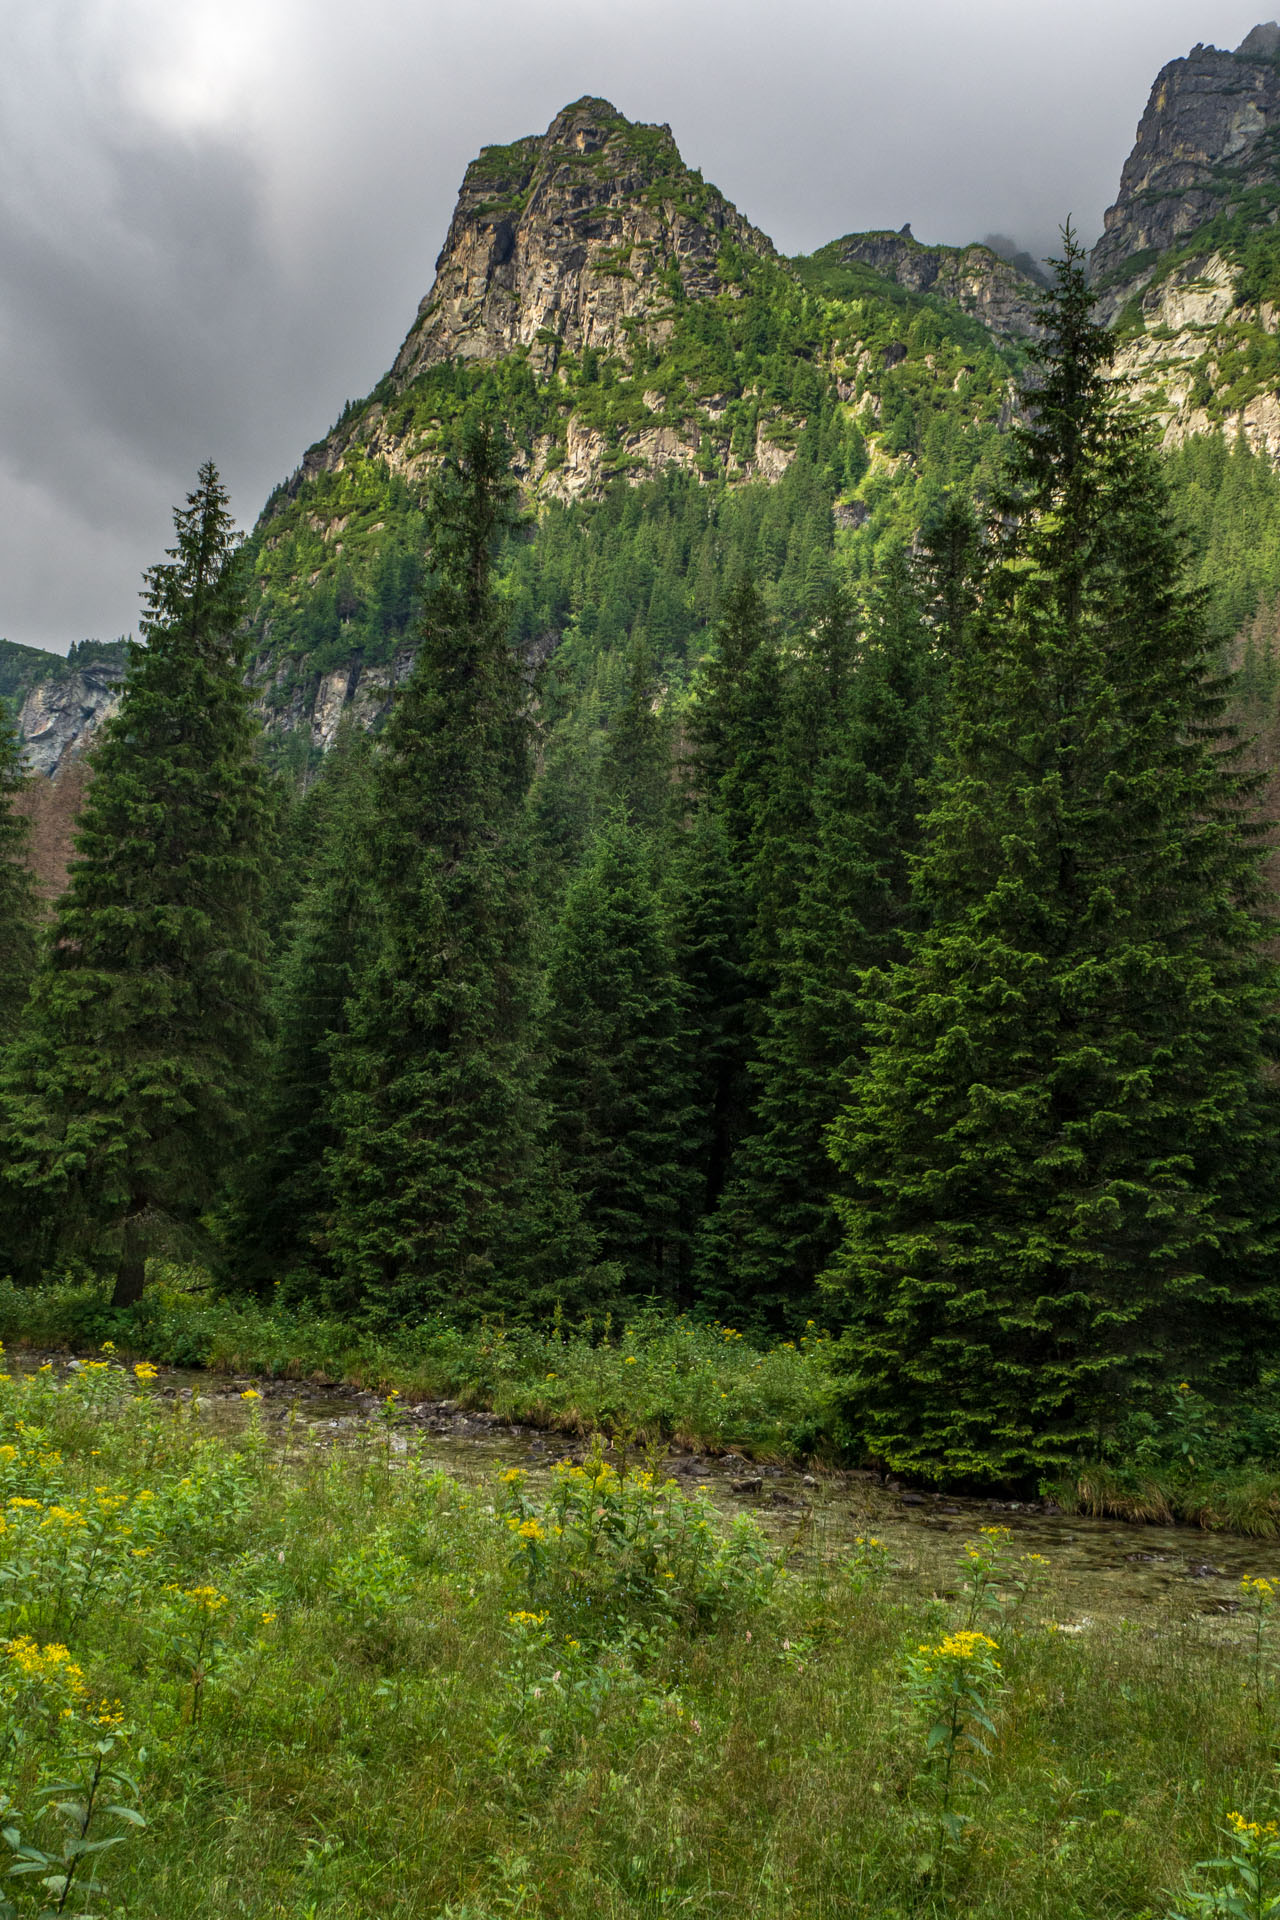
{"x": 340, "y": 1683}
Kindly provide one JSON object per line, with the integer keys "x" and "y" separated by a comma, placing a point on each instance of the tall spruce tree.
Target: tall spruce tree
{"x": 123, "y": 1103}
{"x": 17, "y": 885}
{"x": 435, "y": 1174}
{"x": 618, "y": 1077}
{"x": 277, "y": 1219}
{"x": 733, "y": 739}
{"x": 848, "y": 910}
{"x": 1061, "y": 1153}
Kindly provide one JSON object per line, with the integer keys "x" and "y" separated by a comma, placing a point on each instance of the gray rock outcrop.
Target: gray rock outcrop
{"x": 1210, "y": 132}
{"x": 59, "y": 717}
{"x": 975, "y": 278}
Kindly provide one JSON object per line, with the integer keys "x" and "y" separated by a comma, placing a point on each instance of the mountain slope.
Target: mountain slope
{"x": 624, "y": 322}
{"x": 974, "y": 279}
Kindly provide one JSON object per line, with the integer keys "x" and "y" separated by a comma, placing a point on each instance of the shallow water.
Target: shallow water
{"x": 1101, "y": 1569}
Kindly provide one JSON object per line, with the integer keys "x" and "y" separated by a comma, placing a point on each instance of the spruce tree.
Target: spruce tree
{"x": 123, "y": 1103}
{"x": 17, "y": 885}
{"x": 637, "y": 764}
{"x": 435, "y": 1174}
{"x": 850, "y": 910}
{"x": 732, "y": 729}
{"x": 618, "y": 1078}
{"x": 277, "y": 1219}
{"x": 1060, "y": 1156}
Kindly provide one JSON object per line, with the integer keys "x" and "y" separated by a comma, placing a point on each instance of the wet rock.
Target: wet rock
{"x": 911, "y": 1500}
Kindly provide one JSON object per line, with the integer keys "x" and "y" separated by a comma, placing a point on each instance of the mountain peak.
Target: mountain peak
{"x": 1207, "y": 137}
{"x": 1261, "y": 43}
{"x": 572, "y": 239}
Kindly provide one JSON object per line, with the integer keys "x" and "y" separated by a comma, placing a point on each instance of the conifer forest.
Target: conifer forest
{"x": 673, "y": 966}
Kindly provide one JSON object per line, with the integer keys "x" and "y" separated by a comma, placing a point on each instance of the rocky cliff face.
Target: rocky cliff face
{"x": 1210, "y": 133}
{"x": 975, "y": 279}
{"x": 566, "y": 249}
{"x": 1188, "y": 267}
{"x": 1202, "y": 360}
{"x": 579, "y": 238}
{"x": 59, "y": 716}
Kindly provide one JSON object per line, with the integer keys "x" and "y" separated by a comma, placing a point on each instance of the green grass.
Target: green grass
{"x": 367, "y": 1731}
{"x": 658, "y": 1377}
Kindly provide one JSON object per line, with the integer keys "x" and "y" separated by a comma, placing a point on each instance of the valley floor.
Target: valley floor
{"x": 339, "y": 1683}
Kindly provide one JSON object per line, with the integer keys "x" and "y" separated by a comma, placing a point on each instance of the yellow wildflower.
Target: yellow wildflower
{"x": 251, "y": 1393}
{"x": 523, "y": 1619}
{"x": 204, "y": 1599}
{"x": 964, "y": 1645}
{"x": 1254, "y": 1829}
{"x": 48, "y": 1663}
{"x": 65, "y": 1517}
{"x": 1252, "y": 1583}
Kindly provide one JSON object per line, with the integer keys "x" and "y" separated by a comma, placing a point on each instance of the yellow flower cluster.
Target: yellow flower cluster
{"x": 50, "y": 1664}
{"x": 1253, "y": 1829}
{"x": 145, "y": 1373}
{"x": 1262, "y": 1589}
{"x": 203, "y": 1599}
{"x": 514, "y": 1477}
{"x": 965, "y": 1645}
{"x": 523, "y": 1619}
{"x": 530, "y": 1530}
{"x": 580, "y": 1476}
{"x": 251, "y": 1393}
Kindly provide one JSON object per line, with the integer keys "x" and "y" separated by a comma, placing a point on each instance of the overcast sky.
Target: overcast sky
{"x": 217, "y": 217}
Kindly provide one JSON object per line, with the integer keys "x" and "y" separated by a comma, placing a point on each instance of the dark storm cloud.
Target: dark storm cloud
{"x": 217, "y": 216}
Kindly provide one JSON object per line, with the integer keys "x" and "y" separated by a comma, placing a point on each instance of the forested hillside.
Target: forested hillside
{"x": 716, "y": 790}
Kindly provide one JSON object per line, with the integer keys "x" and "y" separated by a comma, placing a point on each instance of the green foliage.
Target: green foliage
{"x": 437, "y": 1192}
{"x": 124, "y": 1097}
{"x": 17, "y": 888}
{"x": 608, "y": 1547}
{"x": 280, "y": 1198}
{"x": 376, "y": 1630}
{"x": 1057, "y": 1152}
{"x": 857, "y": 734}
{"x": 22, "y": 668}
{"x": 618, "y": 1079}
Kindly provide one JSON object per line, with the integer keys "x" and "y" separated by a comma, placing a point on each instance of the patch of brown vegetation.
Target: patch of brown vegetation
{"x": 53, "y": 808}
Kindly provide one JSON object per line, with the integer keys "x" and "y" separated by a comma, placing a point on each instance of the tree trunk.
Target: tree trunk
{"x": 131, "y": 1274}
